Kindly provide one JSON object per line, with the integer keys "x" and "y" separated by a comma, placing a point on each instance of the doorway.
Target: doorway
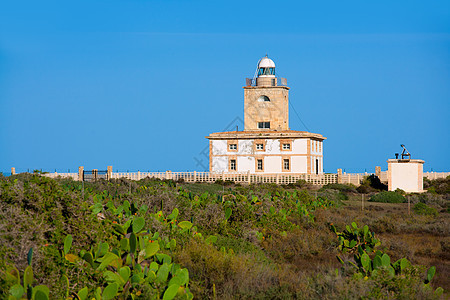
{"x": 317, "y": 166}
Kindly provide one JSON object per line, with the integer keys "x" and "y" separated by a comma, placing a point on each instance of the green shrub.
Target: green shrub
{"x": 388, "y": 197}
{"x": 222, "y": 182}
{"x": 366, "y": 189}
{"x": 423, "y": 209}
{"x": 374, "y": 182}
{"x": 433, "y": 199}
{"x": 346, "y": 188}
{"x": 299, "y": 184}
{"x": 400, "y": 191}
{"x": 199, "y": 188}
{"x": 332, "y": 195}
{"x": 439, "y": 186}
{"x": 371, "y": 184}
{"x": 238, "y": 245}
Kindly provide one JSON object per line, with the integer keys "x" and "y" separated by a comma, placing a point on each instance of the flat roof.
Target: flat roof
{"x": 267, "y": 87}
{"x": 264, "y": 134}
{"x": 417, "y": 161}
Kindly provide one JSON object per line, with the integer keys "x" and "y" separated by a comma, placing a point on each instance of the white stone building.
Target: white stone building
{"x": 266, "y": 145}
{"x": 405, "y": 174}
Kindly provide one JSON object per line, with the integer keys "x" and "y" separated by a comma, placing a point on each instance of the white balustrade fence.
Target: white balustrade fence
{"x": 316, "y": 179}
{"x": 436, "y": 175}
{"x": 321, "y": 179}
{"x": 74, "y": 176}
{"x": 383, "y": 176}
{"x": 353, "y": 178}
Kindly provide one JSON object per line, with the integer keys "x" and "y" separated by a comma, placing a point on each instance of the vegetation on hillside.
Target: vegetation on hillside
{"x": 154, "y": 239}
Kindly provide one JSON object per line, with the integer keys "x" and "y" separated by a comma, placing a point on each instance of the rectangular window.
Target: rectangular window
{"x": 260, "y": 164}
{"x": 233, "y": 165}
{"x": 233, "y": 146}
{"x": 259, "y": 146}
{"x": 285, "y": 145}
{"x": 286, "y": 164}
{"x": 263, "y": 125}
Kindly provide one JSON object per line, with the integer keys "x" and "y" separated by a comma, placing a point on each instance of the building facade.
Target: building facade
{"x": 266, "y": 145}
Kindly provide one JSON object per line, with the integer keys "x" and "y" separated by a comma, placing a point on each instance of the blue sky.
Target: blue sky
{"x": 139, "y": 84}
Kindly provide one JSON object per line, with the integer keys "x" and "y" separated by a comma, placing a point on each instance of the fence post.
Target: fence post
{"x": 139, "y": 176}
{"x": 13, "y": 171}
{"x": 223, "y": 175}
{"x": 80, "y": 173}
{"x": 339, "y": 175}
{"x": 248, "y": 177}
{"x": 409, "y": 205}
{"x": 94, "y": 174}
{"x": 362, "y": 202}
{"x": 378, "y": 171}
{"x": 109, "y": 172}
{"x": 278, "y": 178}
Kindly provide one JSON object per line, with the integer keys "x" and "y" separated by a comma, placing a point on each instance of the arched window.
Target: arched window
{"x": 263, "y": 98}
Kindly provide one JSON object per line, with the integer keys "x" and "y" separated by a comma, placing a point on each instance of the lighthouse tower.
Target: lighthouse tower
{"x": 266, "y": 104}
{"x": 266, "y": 145}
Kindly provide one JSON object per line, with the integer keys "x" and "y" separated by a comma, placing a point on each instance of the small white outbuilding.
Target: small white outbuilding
{"x": 405, "y": 174}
